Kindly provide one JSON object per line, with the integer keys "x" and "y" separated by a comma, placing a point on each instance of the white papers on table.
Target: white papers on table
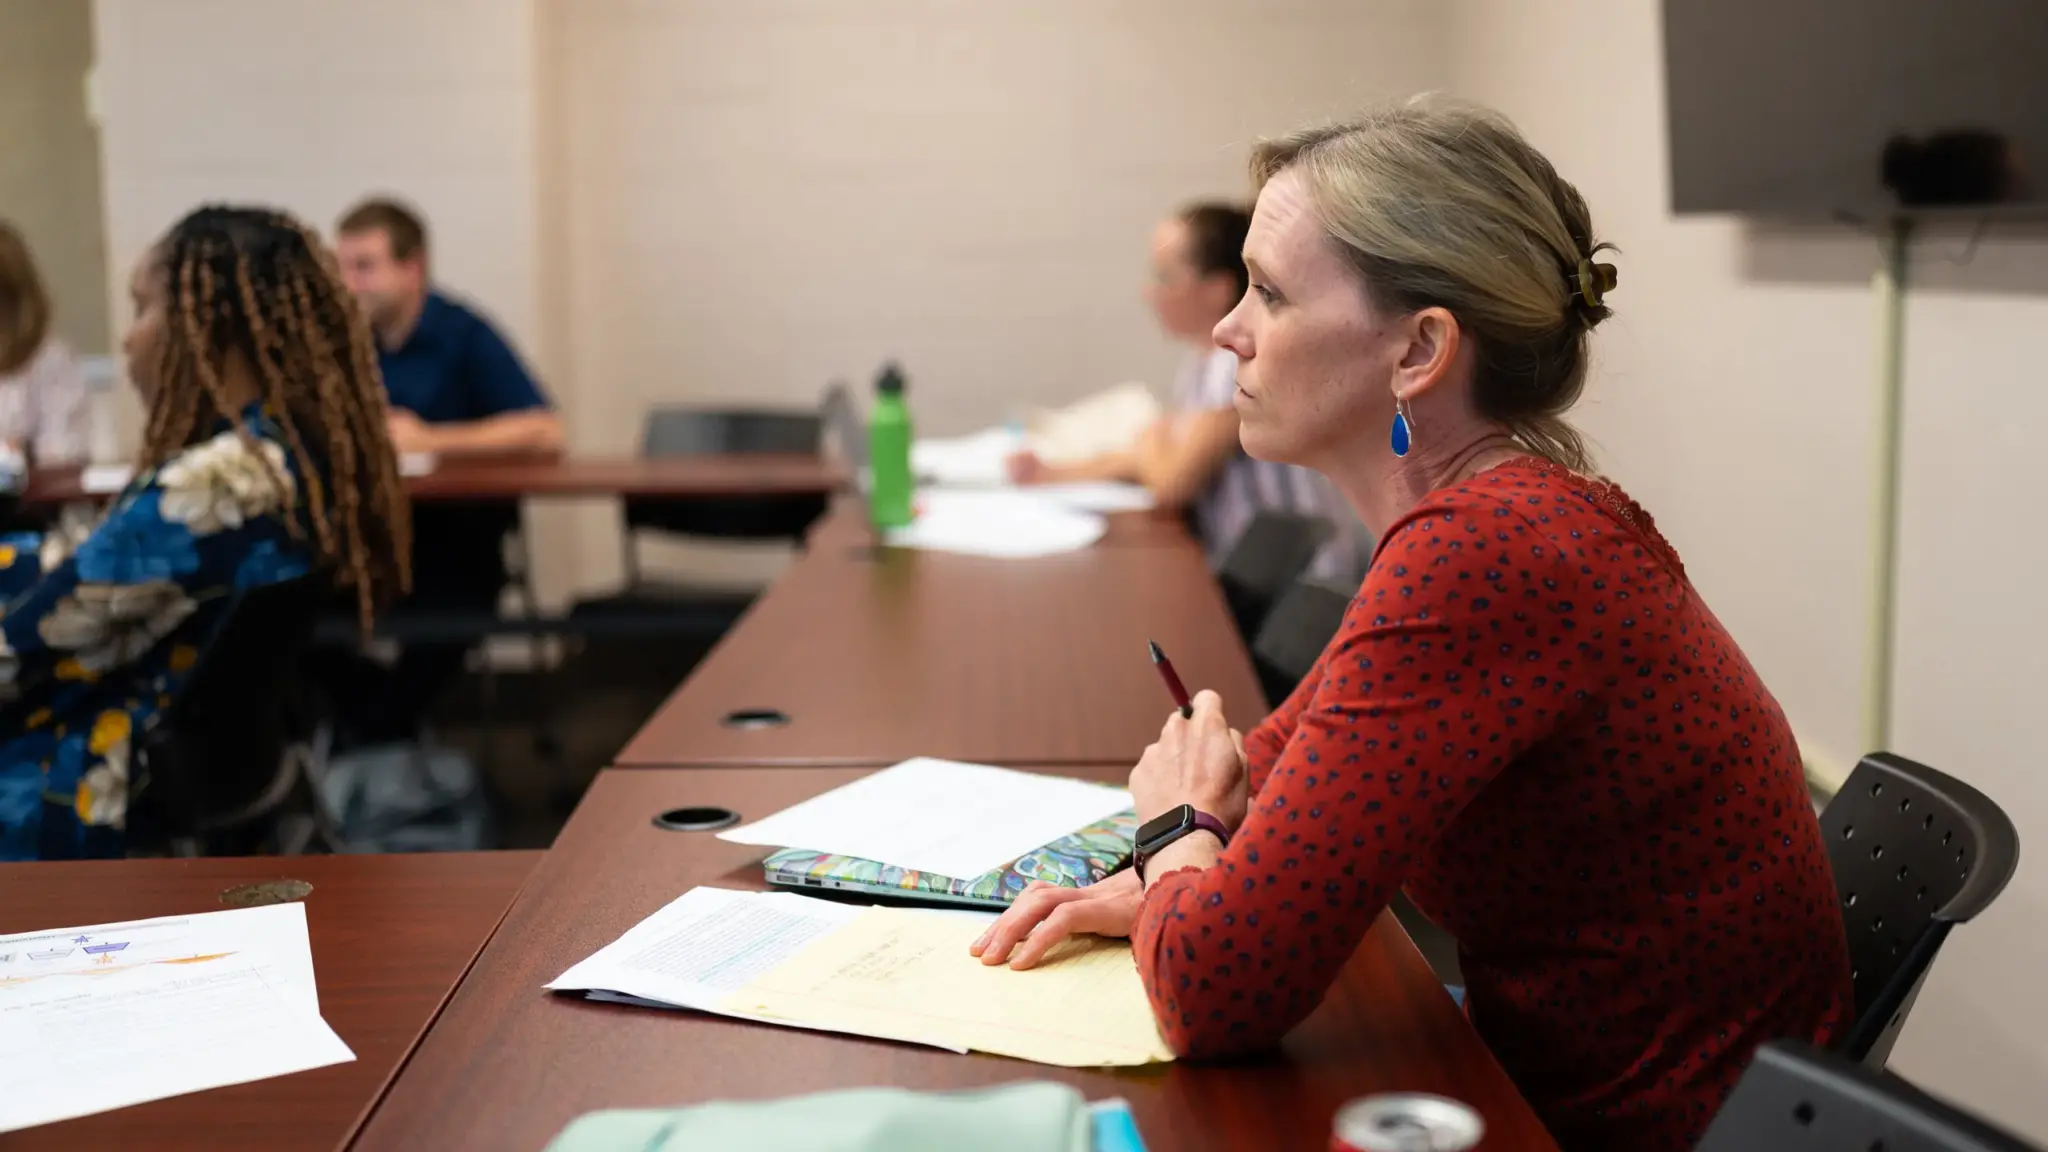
{"x": 973, "y": 459}
{"x": 274, "y": 935}
{"x": 703, "y": 946}
{"x": 104, "y": 479}
{"x": 938, "y": 816}
{"x": 893, "y": 973}
{"x": 100, "y": 1018}
{"x": 1002, "y": 523}
{"x": 107, "y": 479}
{"x": 1097, "y": 496}
{"x": 1108, "y": 421}
{"x": 1083, "y": 1005}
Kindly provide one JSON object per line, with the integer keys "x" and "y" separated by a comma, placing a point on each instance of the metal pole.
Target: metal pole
{"x": 1890, "y": 285}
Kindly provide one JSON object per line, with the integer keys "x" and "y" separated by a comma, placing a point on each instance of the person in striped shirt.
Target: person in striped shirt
{"x": 1191, "y": 458}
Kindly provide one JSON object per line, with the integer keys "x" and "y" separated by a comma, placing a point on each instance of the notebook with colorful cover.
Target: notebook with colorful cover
{"x": 1072, "y": 861}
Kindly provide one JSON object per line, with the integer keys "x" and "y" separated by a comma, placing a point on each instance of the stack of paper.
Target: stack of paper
{"x": 892, "y": 973}
{"x": 705, "y": 945}
{"x": 105, "y": 1016}
{"x": 977, "y": 459}
{"x": 1108, "y": 421}
{"x": 1098, "y": 496}
{"x": 1009, "y": 523}
{"x": 899, "y": 974}
{"x": 938, "y": 816}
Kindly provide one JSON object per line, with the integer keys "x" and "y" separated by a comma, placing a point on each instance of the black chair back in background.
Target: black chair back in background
{"x": 1274, "y": 551}
{"x": 1795, "y": 1098}
{"x": 218, "y": 765}
{"x": 1915, "y": 852}
{"x": 1294, "y": 634}
{"x": 709, "y": 432}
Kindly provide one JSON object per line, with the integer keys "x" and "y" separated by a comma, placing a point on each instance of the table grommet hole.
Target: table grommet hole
{"x": 755, "y": 718}
{"x": 702, "y": 819}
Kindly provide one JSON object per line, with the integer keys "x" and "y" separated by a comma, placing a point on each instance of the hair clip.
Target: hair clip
{"x": 1592, "y": 282}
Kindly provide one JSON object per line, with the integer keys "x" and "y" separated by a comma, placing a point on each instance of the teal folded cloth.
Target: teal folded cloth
{"x": 1026, "y": 1117}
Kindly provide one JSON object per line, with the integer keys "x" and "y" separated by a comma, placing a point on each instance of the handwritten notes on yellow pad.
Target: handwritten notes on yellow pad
{"x": 902, "y": 972}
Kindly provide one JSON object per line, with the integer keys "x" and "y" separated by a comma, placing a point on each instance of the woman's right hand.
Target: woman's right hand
{"x": 1045, "y": 914}
{"x": 1025, "y": 468}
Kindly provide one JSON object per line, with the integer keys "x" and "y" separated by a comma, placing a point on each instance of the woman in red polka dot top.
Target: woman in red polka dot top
{"x": 1529, "y": 720}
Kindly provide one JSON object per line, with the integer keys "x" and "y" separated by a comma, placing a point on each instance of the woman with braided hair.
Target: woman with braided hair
{"x": 265, "y": 458}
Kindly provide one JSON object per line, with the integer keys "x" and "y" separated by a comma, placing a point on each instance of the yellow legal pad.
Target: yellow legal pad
{"x": 902, "y": 973}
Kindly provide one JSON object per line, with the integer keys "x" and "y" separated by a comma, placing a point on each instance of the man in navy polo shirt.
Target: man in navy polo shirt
{"x": 456, "y": 389}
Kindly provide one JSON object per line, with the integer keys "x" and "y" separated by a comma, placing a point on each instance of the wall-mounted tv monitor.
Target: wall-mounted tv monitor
{"x": 1858, "y": 109}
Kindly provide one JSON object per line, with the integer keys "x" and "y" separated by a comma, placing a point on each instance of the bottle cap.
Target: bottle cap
{"x": 890, "y": 382}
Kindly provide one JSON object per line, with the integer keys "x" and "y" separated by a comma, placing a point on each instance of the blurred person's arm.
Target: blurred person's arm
{"x": 535, "y": 432}
{"x": 521, "y": 421}
{"x": 1175, "y": 458}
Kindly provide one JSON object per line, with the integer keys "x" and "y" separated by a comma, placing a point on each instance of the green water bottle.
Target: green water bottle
{"x": 889, "y": 433}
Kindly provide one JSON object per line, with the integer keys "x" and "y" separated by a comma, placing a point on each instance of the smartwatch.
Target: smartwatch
{"x": 1169, "y": 826}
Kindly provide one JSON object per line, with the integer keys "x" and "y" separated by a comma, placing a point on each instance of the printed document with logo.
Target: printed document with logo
{"x": 99, "y": 1018}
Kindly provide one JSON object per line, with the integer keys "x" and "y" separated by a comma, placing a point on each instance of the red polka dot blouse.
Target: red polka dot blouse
{"x": 1531, "y": 722}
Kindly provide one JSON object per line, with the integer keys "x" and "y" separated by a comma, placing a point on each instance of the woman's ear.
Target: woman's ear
{"x": 1433, "y": 342}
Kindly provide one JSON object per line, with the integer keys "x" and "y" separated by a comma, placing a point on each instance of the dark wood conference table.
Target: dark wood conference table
{"x": 879, "y": 656}
{"x": 507, "y": 1064}
{"x": 391, "y": 937}
{"x": 675, "y": 477}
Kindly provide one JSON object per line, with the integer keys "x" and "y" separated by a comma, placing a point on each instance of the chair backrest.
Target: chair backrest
{"x": 1295, "y": 633}
{"x": 1274, "y": 551}
{"x": 711, "y": 431}
{"x": 1914, "y": 853}
{"x": 705, "y": 432}
{"x": 843, "y": 424}
{"x": 218, "y": 744}
{"x": 1794, "y": 1098}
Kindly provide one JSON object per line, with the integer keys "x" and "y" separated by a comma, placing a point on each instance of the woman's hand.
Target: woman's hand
{"x": 1025, "y": 468}
{"x": 1045, "y": 914}
{"x": 1198, "y": 761}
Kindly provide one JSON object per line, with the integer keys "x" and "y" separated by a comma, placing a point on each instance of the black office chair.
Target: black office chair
{"x": 1294, "y": 634}
{"x": 1915, "y": 853}
{"x": 672, "y": 607}
{"x": 1795, "y": 1098}
{"x": 1274, "y": 551}
{"x": 707, "y": 432}
{"x": 229, "y": 763}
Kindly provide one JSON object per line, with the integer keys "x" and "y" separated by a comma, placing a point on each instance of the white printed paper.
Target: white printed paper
{"x": 939, "y": 816}
{"x": 80, "y": 1043}
{"x": 703, "y": 946}
{"x": 274, "y": 935}
{"x": 1005, "y": 523}
{"x": 1097, "y": 496}
{"x": 977, "y": 459}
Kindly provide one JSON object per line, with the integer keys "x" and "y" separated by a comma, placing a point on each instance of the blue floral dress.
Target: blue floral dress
{"x": 96, "y": 638}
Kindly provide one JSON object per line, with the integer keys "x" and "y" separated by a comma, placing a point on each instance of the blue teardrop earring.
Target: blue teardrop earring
{"x": 1402, "y": 430}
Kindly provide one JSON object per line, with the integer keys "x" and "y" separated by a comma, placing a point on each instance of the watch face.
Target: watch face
{"x": 1165, "y": 824}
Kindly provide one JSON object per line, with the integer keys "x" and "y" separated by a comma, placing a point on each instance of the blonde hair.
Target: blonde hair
{"x": 1443, "y": 204}
{"x": 24, "y": 303}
